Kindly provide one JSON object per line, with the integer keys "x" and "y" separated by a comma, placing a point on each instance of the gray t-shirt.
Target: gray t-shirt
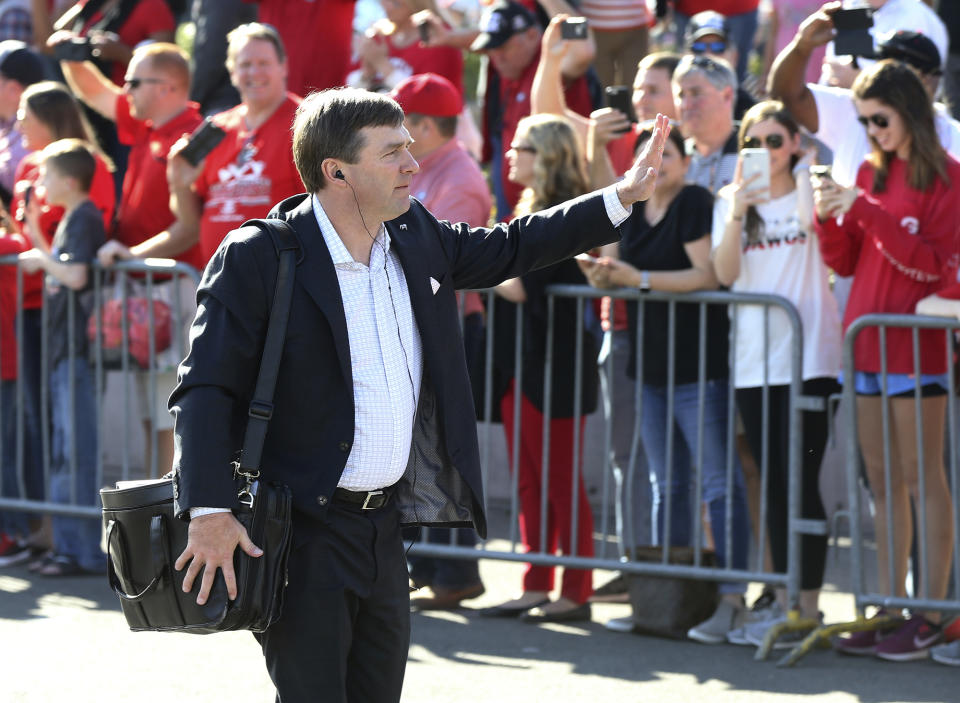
{"x": 79, "y": 235}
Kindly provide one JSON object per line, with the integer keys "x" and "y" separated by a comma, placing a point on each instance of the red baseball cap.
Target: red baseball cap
{"x": 428, "y": 94}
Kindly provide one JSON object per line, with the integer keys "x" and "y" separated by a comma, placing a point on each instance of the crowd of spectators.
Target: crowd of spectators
{"x": 511, "y": 114}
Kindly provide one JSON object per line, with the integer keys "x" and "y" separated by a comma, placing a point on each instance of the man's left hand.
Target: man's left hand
{"x": 640, "y": 181}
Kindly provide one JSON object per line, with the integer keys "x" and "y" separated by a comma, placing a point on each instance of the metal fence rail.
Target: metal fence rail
{"x": 865, "y": 594}
{"x": 148, "y": 276}
{"x": 583, "y": 295}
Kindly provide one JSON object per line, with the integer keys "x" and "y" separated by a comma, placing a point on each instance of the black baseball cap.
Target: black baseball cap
{"x": 913, "y": 48}
{"x": 20, "y": 63}
{"x": 501, "y": 21}
{"x": 706, "y": 23}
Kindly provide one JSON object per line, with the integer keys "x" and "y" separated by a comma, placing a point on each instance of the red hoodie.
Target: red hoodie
{"x": 900, "y": 246}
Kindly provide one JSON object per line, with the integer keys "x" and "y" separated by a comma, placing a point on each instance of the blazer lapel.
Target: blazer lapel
{"x": 319, "y": 278}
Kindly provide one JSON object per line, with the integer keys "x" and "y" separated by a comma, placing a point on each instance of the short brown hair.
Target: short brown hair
{"x": 71, "y": 158}
{"x": 328, "y": 124}
{"x": 168, "y": 59}
{"x": 446, "y": 126}
{"x": 238, "y": 37}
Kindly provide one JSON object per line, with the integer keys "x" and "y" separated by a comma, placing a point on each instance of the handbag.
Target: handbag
{"x": 668, "y": 606}
{"x": 144, "y": 537}
{"x": 107, "y": 328}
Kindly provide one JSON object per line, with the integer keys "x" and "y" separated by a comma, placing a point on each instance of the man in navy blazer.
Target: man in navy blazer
{"x": 373, "y": 423}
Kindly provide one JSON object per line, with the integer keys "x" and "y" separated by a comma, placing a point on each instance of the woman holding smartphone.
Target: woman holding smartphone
{"x": 896, "y": 231}
{"x": 764, "y": 243}
{"x": 666, "y": 246}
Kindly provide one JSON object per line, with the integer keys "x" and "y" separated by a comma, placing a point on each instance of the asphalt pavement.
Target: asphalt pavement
{"x": 66, "y": 640}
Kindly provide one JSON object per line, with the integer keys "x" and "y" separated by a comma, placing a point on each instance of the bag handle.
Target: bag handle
{"x": 261, "y": 407}
{"x": 158, "y": 537}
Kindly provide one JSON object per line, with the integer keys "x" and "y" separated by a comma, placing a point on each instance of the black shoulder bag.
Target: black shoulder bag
{"x": 144, "y": 537}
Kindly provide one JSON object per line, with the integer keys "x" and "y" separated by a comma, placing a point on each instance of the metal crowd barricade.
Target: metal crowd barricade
{"x": 865, "y": 593}
{"x": 698, "y": 570}
{"x": 151, "y": 276}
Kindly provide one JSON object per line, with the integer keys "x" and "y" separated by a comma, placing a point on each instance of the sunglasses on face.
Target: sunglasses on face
{"x": 523, "y": 147}
{"x": 714, "y": 47}
{"x": 773, "y": 141}
{"x": 877, "y": 119}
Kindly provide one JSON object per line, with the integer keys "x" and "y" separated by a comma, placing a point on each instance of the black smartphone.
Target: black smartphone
{"x": 202, "y": 141}
{"x": 27, "y": 194}
{"x": 620, "y": 97}
{"x": 574, "y": 28}
{"x": 73, "y": 50}
{"x": 424, "y": 29}
{"x": 853, "y": 32}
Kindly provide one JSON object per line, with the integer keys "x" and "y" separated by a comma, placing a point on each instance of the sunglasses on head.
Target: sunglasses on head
{"x": 773, "y": 141}
{"x": 877, "y": 119}
{"x": 714, "y": 47}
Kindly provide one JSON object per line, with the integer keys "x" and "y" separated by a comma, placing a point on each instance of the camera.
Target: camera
{"x": 202, "y": 142}
{"x": 73, "y": 50}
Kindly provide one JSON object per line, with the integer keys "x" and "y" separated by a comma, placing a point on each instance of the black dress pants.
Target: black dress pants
{"x": 344, "y": 632}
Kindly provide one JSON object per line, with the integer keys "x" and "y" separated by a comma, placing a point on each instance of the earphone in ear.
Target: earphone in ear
{"x": 339, "y": 174}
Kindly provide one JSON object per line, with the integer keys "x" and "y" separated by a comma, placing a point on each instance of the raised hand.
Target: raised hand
{"x": 640, "y": 181}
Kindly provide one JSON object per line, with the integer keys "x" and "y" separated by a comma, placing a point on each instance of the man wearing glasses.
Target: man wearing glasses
{"x": 151, "y": 112}
{"x": 708, "y": 34}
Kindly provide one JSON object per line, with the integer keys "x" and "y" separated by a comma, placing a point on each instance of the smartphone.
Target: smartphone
{"x": 27, "y": 194}
{"x": 619, "y": 97}
{"x": 574, "y": 28}
{"x": 424, "y": 29}
{"x": 756, "y": 161}
{"x": 587, "y": 258}
{"x": 202, "y": 141}
{"x": 74, "y": 50}
{"x": 853, "y": 32}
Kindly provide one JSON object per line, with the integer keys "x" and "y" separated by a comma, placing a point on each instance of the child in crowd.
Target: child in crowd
{"x": 67, "y": 169}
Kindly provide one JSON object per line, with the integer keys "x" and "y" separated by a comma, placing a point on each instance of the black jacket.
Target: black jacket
{"x": 312, "y": 428}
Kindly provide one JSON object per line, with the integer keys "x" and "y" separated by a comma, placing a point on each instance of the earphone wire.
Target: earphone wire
{"x": 396, "y": 320}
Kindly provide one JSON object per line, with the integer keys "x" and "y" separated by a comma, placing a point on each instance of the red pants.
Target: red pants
{"x": 577, "y": 584}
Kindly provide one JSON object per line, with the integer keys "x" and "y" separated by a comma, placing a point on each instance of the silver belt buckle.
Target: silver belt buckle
{"x": 366, "y": 502}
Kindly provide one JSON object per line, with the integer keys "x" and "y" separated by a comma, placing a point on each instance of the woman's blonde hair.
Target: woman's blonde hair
{"x": 559, "y": 172}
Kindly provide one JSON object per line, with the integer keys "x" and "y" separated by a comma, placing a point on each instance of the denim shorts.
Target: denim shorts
{"x": 900, "y": 384}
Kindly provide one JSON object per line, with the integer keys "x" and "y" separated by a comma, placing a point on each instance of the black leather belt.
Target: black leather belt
{"x": 367, "y": 500}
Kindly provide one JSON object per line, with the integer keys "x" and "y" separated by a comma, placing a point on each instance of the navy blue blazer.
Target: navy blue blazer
{"x": 312, "y": 428}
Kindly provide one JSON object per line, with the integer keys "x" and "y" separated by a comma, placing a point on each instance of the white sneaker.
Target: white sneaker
{"x": 714, "y": 630}
{"x": 738, "y": 635}
{"x": 948, "y": 654}
{"x": 620, "y": 624}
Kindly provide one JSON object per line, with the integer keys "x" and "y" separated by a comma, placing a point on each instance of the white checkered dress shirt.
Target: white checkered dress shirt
{"x": 386, "y": 355}
{"x": 386, "y": 358}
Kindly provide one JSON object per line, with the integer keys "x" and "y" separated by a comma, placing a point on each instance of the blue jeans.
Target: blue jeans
{"x": 75, "y": 434}
{"x": 713, "y": 475}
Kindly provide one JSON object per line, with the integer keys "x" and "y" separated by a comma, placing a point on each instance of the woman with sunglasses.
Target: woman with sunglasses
{"x": 545, "y": 158}
{"x": 896, "y": 231}
{"x": 764, "y": 243}
{"x": 666, "y": 247}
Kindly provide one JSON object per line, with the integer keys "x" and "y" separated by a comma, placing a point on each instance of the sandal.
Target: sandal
{"x": 37, "y": 564}
{"x": 61, "y": 565}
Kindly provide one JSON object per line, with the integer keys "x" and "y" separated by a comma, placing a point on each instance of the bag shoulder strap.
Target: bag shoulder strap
{"x": 261, "y": 406}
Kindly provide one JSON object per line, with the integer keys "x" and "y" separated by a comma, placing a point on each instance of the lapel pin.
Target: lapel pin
{"x": 403, "y": 226}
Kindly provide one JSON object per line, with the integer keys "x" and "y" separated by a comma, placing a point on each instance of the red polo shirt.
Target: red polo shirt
{"x": 145, "y": 204}
{"x": 247, "y": 173}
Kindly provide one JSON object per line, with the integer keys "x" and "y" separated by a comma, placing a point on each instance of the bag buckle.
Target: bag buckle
{"x": 366, "y": 501}
{"x": 260, "y": 410}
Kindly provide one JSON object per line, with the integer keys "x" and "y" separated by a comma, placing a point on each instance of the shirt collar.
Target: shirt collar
{"x": 338, "y": 251}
